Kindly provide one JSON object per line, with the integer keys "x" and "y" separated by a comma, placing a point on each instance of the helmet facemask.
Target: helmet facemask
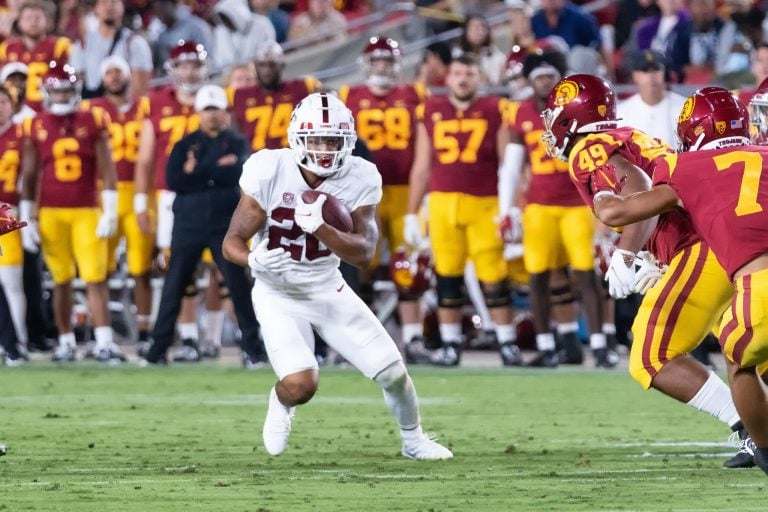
{"x": 758, "y": 118}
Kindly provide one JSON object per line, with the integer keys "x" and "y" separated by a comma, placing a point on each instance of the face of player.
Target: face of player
{"x": 463, "y": 81}
{"x": 382, "y": 67}
{"x": 189, "y": 72}
{"x": 61, "y": 97}
{"x": 6, "y": 109}
{"x": 109, "y": 12}
{"x": 115, "y": 83}
{"x": 269, "y": 73}
{"x": 322, "y": 149}
{"x": 542, "y": 86}
{"x": 33, "y": 23}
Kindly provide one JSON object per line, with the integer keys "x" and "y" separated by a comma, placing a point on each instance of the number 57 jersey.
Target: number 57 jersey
{"x": 274, "y": 180}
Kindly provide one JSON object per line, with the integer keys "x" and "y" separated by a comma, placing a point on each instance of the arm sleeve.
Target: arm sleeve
{"x": 256, "y": 176}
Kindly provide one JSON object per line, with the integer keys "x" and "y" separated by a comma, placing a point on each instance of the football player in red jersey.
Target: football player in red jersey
{"x": 127, "y": 115}
{"x": 721, "y": 181}
{"x": 65, "y": 154}
{"x": 262, "y": 111}
{"x": 35, "y": 48}
{"x": 171, "y": 116}
{"x": 385, "y": 118}
{"x": 681, "y": 306}
{"x": 460, "y": 143}
{"x": 758, "y": 114}
{"x": 557, "y": 227}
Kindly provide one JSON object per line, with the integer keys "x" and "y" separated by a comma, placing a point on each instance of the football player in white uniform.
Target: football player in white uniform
{"x": 294, "y": 259}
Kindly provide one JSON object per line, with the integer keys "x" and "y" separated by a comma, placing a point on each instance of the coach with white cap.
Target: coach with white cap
{"x": 15, "y": 74}
{"x": 204, "y": 170}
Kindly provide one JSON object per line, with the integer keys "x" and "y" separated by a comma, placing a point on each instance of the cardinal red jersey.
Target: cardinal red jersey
{"x": 726, "y": 193}
{"x": 66, "y": 147}
{"x": 463, "y": 144}
{"x": 171, "y": 120}
{"x": 550, "y": 184}
{"x": 674, "y": 230}
{"x": 37, "y": 59}
{"x": 124, "y": 133}
{"x": 263, "y": 116}
{"x": 387, "y": 124}
{"x": 10, "y": 146}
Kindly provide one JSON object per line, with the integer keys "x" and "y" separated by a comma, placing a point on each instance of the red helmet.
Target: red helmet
{"x": 411, "y": 273}
{"x": 191, "y": 79}
{"x": 515, "y": 59}
{"x": 577, "y": 104}
{"x": 61, "y": 89}
{"x": 712, "y": 118}
{"x": 758, "y": 114}
{"x": 382, "y": 48}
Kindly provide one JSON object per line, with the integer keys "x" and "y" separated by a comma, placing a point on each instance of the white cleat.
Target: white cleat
{"x": 277, "y": 425}
{"x": 425, "y": 448}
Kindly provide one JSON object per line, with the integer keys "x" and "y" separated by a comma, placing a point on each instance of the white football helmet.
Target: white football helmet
{"x": 322, "y": 134}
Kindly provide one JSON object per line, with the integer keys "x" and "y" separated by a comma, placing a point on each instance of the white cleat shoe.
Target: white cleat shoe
{"x": 277, "y": 425}
{"x": 424, "y": 447}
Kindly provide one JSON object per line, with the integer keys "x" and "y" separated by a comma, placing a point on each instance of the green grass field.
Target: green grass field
{"x": 89, "y": 438}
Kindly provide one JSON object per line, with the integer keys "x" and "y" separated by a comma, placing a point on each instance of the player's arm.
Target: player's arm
{"x": 419, "y": 176}
{"x": 357, "y": 247}
{"x": 144, "y": 174}
{"x": 29, "y": 169}
{"x": 248, "y": 219}
{"x": 615, "y": 210}
{"x": 635, "y": 235}
{"x": 104, "y": 161}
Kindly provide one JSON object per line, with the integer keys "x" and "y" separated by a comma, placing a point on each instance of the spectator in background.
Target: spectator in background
{"x": 280, "y": 20}
{"x": 111, "y": 38}
{"x": 520, "y": 13}
{"x": 476, "y": 38}
{"x": 654, "y": 109}
{"x": 320, "y": 18}
{"x": 8, "y": 14}
{"x": 241, "y": 76}
{"x": 571, "y": 23}
{"x": 627, "y": 14}
{"x": 759, "y": 66}
{"x": 706, "y": 26}
{"x": 434, "y": 68}
{"x": 238, "y": 33}
{"x": 68, "y": 22}
{"x": 669, "y": 33}
{"x": 174, "y": 23}
{"x": 742, "y": 32}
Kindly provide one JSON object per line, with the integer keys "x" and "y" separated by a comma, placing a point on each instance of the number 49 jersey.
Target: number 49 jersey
{"x": 274, "y": 180}
{"x": 464, "y": 154}
{"x": 66, "y": 146}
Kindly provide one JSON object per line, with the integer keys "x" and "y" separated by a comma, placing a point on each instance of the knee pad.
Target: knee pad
{"x": 391, "y": 375}
{"x": 497, "y": 295}
{"x": 450, "y": 293}
{"x": 561, "y": 296}
{"x": 190, "y": 290}
{"x": 408, "y": 297}
{"x": 223, "y": 290}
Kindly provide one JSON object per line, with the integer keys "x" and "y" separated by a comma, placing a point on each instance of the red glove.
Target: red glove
{"x": 603, "y": 179}
{"x": 8, "y": 222}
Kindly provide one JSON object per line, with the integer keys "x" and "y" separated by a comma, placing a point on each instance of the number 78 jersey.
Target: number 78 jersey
{"x": 463, "y": 144}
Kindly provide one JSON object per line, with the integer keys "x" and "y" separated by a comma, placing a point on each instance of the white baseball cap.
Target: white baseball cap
{"x": 13, "y": 68}
{"x": 210, "y": 96}
{"x": 115, "y": 61}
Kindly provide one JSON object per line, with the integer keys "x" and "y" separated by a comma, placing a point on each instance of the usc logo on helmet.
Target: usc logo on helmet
{"x": 602, "y": 109}
{"x": 565, "y": 92}
{"x": 720, "y": 127}
{"x": 687, "y": 111}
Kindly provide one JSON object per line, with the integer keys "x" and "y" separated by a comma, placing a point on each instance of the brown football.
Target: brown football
{"x": 334, "y": 211}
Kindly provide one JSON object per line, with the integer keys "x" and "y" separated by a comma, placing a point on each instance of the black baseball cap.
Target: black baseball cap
{"x": 647, "y": 60}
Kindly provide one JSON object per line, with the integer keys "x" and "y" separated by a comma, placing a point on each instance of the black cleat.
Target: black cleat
{"x": 544, "y": 359}
{"x": 510, "y": 355}
{"x": 187, "y": 352}
{"x": 605, "y": 358}
{"x": 209, "y": 351}
{"x": 254, "y": 362}
{"x": 761, "y": 458}
{"x": 745, "y": 457}
{"x": 416, "y": 352}
{"x": 110, "y": 355}
{"x": 142, "y": 348}
{"x": 447, "y": 355}
{"x": 571, "y": 352}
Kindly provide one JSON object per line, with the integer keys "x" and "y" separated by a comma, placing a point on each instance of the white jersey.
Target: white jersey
{"x": 274, "y": 180}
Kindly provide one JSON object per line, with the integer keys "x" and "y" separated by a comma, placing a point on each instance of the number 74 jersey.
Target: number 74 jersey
{"x": 463, "y": 144}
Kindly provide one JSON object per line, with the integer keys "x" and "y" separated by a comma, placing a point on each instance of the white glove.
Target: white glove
{"x": 510, "y": 225}
{"x": 412, "y": 231}
{"x": 140, "y": 203}
{"x": 262, "y": 259}
{"x": 649, "y": 273}
{"x": 621, "y": 274}
{"x": 30, "y": 235}
{"x": 165, "y": 219}
{"x": 309, "y": 216}
{"x": 107, "y": 226}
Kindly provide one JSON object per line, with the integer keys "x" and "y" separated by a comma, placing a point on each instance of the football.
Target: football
{"x": 334, "y": 211}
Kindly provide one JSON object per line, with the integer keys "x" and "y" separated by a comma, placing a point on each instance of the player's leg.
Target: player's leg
{"x": 565, "y": 316}
{"x": 56, "y": 247}
{"x": 138, "y": 254}
{"x": 210, "y": 342}
{"x": 12, "y": 281}
{"x": 486, "y": 250}
{"x": 9, "y": 342}
{"x": 449, "y": 250}
{"x": 361, "y": 339}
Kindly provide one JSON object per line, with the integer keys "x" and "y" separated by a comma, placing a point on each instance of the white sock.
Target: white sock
{"x": 450, "y": 334}
{"x": 545, "y": 341}
{"x": 609, "y": 328}
{"x": 567, "y": 327}
{"x": 67, "y": 340}
{"x": 400, "y": 396}
{"x": 103, "y": 337}
{"x": 714, "y": 398}
{"x": 597, "y": 341}
{"x": 13, "y": 286}
{"x": 189, "y": 331}
{"x": 410, "y": 331}
{"x": 214, "y": 323}
{"x": 506, "y": 333}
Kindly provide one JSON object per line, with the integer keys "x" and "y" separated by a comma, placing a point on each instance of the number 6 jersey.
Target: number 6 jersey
{"x": 274, "y": 180}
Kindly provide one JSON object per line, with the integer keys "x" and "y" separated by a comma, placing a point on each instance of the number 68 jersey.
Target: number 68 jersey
{"x": 274, "y": 180}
